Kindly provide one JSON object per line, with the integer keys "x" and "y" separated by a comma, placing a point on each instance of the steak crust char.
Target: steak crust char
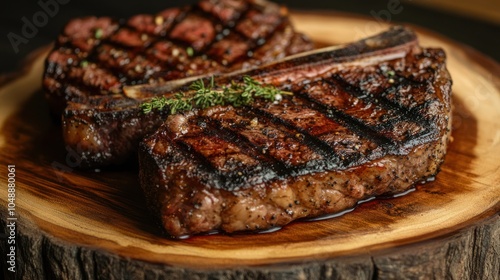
{"x": 368, "y": 119}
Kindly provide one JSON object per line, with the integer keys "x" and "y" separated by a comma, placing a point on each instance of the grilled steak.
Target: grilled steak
{"x": 98, "y": 56}
{"x": 367, "y": 119}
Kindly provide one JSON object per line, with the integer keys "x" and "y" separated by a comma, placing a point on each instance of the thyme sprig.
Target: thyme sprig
{"x": 209, "y": 95}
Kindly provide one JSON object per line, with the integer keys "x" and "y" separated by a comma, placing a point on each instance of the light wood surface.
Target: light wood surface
{"x": 81, "y": 224}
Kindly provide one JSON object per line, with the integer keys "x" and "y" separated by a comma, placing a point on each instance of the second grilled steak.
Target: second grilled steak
{"x": 98, "y": 56}
{"x": 375, "y": 120}
{"x": 94, "y": 58}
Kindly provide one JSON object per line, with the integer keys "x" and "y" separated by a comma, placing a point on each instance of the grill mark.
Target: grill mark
{"x": 87, "y": 89}
{"x": 412, "y": 115}
{"x": 403, "y": 112}
{"x": 203, "y": 169}
{"x": 367, "y": 98}
{"x": 71, "y": 42}
{"x": 429, "y": 129}
{"x": 135, "y": 59}
{"x": 183, "y": 14}
{"x": 119, "y": 72}
{"x": 180, "y": 17}
{"x": 229, "y": 26}
{"x": 352, "y": 123}
{"x": 183, "y": 11}
{"x": 283, "y": 168}
{"x": 213, "y": 12}
{"x": 314, "y": 143}
{"x": 92, "y": 54}
{"x": 389, "y": 127}
{"x": 412, "y": 111}
{"x": 251, "y": 8}
{"x": 333, "y": 159}
{"x": 268, "y": 162}
{"x": 280, "y": 30}
{"x": 79, "y": 58}
{"x": 261, "y": 172}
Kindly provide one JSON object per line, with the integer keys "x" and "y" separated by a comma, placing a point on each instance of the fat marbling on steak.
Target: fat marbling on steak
{"x": 95, "y": 57}
{"x": 366, "y": 119}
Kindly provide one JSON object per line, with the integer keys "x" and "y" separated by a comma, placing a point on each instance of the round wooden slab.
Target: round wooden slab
{"x": 73, "y": 224}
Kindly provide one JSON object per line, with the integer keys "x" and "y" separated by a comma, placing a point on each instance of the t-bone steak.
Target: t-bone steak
{"x": 366, "y": 119}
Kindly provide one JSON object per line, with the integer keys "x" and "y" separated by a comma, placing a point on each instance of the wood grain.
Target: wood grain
{"x": 94, "y": 224}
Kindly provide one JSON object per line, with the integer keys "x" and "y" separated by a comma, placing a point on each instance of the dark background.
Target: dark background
{"x": 481, "y": 35}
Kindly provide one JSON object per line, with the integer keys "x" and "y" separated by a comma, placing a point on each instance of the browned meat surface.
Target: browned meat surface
{"x": 372, "y": 118}
{"x": 98, "y": 56}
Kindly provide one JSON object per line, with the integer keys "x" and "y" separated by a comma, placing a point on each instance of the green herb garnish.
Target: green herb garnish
{"x": 98, "y": 33}
{"x": 208, "y": 95}
{"x": 190, "y": 51}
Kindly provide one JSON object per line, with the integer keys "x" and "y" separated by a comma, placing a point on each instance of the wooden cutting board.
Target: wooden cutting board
{"x": 73, "y": 224}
